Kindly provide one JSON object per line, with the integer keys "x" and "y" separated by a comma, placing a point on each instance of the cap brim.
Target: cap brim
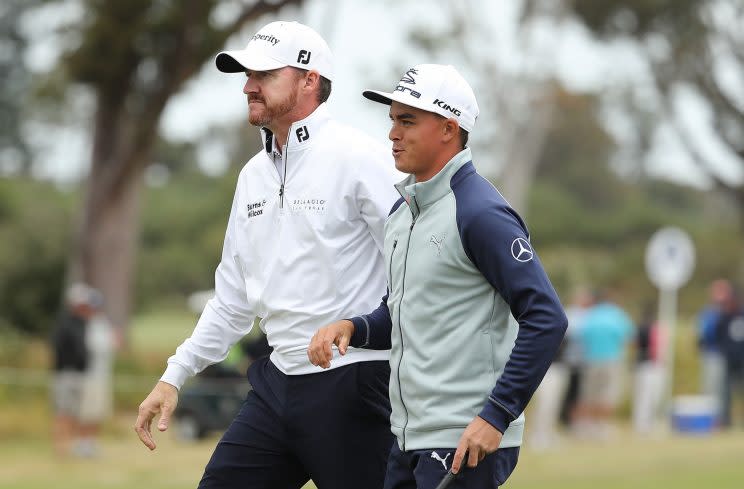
{"x": 377, "y": 96}
{"x": 397, "y": 96}
{"x": 238, "y": 61}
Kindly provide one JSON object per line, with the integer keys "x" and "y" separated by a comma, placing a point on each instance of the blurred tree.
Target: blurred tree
{"x": 577, "y": 150}
{"x": 695, "y": 49}
{"x": 32, "y": 262}
{"x": 135, "y": 55}
{"x": 516, "y": 103}
{"x": 14, "y": 86}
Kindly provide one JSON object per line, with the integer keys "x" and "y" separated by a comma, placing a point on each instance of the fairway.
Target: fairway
{"x": 671, "y": 462}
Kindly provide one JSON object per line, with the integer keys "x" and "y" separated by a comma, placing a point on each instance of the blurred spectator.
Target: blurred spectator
{"x": 649, "y": 371}
{"x": 605, "y": 332}
{"x": 70, "y": 362}
{"x": 554, "y": 393}
{"x": 97, "y": 399}
{"x": 712, "y": 362}
{"x": 730, "y": 335}
{"x": 572, "y": 354}
{"x": 82, "y": 345}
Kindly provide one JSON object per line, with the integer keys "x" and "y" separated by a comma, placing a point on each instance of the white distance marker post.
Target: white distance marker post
{"x": 670, "y": 260}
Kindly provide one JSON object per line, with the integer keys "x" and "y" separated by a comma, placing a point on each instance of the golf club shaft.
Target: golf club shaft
{"x": 446, "y": 480}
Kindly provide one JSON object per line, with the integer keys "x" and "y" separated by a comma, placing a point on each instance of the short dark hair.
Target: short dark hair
{"x": 463, "y": 133}
{"x": 324, "y": 90}
{"x": 464, "y": 138}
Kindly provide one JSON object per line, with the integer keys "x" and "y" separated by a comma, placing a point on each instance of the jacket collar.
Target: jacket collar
{"x": 301, "y": 133}
{"x": 421, "y": 194}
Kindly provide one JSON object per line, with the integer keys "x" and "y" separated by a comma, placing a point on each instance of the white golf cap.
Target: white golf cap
{"x": 434, "y": 88}
{"x": 83, "y": 294}
{"x": 277, "y": 45}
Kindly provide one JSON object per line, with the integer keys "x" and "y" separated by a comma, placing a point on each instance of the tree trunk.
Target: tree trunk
{"x": 111, "y": 233}
{"x": 108, "y": 233}
{"x": 523, "y": 155}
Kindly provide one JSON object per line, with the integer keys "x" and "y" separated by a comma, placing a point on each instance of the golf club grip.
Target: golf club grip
{"x": 446, "y": 480}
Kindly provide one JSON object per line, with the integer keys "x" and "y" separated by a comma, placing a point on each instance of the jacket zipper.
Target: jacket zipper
{"x": 283, "y": 177}
{"x": 400, "y": 327}
{"x": 390, "y": 268}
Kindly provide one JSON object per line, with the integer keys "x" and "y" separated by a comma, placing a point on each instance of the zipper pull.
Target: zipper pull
{"x": 281, "y": 196}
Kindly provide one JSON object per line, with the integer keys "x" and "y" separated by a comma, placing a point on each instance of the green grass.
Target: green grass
{"x": 161, "y": 331}
{"x": 678, "y": 462}
{"x": 672, "y": 461}
{"x": 123, "y": 462}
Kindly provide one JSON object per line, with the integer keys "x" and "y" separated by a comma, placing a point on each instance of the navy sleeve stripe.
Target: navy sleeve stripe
{"x": 373, "y": 330}
{"x": 366, "y": 324}
{"x": 396, "y": 205}
{"x": 496, "y": 402}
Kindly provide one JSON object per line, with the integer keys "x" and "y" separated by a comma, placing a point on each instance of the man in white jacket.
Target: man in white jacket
{"x": 303, "y": 247}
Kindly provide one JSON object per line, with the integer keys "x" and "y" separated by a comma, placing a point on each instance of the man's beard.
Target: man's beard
{"x": 272, "y": 111}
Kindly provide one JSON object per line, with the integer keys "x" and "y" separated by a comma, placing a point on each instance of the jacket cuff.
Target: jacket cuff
{"x": 496, "y": 416}
{"x": 360, "y": 338}
{"x": 175, "y": 375}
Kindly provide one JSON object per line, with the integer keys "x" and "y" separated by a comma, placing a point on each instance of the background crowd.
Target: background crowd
{"x": 608, "y": 358}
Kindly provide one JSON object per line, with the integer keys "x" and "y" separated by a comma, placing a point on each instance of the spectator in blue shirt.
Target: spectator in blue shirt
{"x": 605, "y": 333}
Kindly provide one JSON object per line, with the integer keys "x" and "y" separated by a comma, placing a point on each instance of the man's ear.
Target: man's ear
{"x": 312, "y": 79}
{"x": 450, "y": 130}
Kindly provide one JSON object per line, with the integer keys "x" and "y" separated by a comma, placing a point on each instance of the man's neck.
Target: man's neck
{"x": 281, "y": 128}
{"x": 444, "y": 158}
{"x": 280, "y": 137}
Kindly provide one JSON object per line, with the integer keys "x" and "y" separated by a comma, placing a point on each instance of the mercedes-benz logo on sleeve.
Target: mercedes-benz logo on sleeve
{"x": 521, "y": 250}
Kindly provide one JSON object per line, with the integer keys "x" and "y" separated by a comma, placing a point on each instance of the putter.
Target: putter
{"x": 450, "y": 476}
{"x": 446, "y": 480}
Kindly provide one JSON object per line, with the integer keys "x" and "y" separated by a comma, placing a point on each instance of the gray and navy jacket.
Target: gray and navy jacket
{"x": 470, "y": 316}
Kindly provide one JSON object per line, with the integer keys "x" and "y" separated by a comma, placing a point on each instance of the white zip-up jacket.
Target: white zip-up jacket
{"x": 302, "y": 249}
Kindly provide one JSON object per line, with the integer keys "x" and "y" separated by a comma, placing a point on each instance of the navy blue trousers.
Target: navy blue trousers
{"x": 424, "y": 469}
{"x": 332, "y": 427}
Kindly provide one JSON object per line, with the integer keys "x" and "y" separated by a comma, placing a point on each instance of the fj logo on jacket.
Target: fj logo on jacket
{"x": 302, "y": 134}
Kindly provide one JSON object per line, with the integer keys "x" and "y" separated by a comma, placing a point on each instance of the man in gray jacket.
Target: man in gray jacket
{"x": 460, "y": 270}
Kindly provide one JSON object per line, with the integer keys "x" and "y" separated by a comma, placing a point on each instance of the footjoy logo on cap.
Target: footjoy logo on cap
{"x": 304, "y": 57}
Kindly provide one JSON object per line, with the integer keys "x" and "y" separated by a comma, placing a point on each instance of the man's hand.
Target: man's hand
{"x": 479, "y": 439}
{"x": 339, "y": 333}
{"x": 163, "y": 399}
